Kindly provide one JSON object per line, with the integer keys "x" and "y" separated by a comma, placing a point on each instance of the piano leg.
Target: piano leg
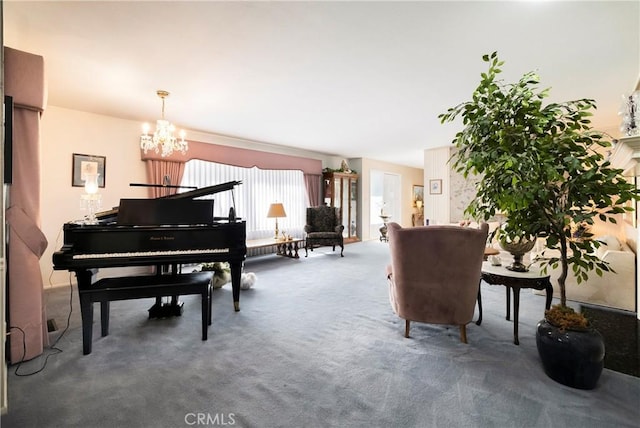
{"x": 167, "y": 310}
{"x": 236, "y": 277}
{"x": 85, "y": 279}
{"x": 104, "y": 318}
{"x": 205, "y": 298}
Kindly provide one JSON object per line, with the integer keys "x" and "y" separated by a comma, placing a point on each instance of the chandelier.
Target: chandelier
{"x": 162, "y": 141}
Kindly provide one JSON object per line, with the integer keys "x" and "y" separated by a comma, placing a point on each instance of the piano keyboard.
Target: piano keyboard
{"x": 150, "y": 253}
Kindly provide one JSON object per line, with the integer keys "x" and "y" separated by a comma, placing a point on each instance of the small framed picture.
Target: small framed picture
{"x": 435, "y": 187}
{"x": 417, "y": 195}
{"x": 84, "y": 165}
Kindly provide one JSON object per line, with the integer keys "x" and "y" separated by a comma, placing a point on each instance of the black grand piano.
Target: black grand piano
{"x": 164, "y": 232}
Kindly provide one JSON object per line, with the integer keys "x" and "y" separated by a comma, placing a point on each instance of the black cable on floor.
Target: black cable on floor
{"x": 55, "y": 350}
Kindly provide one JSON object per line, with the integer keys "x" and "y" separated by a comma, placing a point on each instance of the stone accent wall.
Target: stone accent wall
{"x": 462, "y": 192}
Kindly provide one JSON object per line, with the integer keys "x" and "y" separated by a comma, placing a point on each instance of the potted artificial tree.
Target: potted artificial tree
{"x": 543, "y": 167}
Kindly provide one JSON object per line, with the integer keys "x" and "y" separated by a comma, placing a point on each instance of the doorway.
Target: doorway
{"x": 385, "y": 200}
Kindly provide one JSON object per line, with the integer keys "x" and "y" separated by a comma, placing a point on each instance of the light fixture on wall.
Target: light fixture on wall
{"x": 630, "y": 125}
{"x": 276, "y": 210}
{"x": 163, "y": 141}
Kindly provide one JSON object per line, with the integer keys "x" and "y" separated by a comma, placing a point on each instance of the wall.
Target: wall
{"x": 408, "y": 178}
{"x": 66, "y": 131}
{"x": 437, "y": 207}
{"x": 463, "y": 190}
{"x": 457, "y": 191}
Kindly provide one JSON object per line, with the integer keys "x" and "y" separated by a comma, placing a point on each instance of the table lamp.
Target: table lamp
{"x": 91, "y": 200}
{"x": 276, "y": 210}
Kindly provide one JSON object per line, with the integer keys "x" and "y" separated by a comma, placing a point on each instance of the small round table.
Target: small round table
{"x": 499, "y": 275}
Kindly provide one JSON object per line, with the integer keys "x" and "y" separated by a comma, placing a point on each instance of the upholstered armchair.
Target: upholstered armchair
{"x": 434, "y": 273}
{"x": 324, "y": 227}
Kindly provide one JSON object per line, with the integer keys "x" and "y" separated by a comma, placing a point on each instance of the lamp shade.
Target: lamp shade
{"x": 276, "y": 210}
{"x": 91, "y": 183}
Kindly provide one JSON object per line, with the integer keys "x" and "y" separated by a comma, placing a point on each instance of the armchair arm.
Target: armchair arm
{"x": 339, "y": 228}
{"x": 308, "y": 228}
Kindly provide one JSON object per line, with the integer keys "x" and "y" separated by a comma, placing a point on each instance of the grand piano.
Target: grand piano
{"x": 164, "y": 232}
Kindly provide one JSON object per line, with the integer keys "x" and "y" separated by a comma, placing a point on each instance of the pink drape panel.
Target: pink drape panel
{"x": 313, "y": 183}
{"x": 157, "y": 170}
{"x": 24, "y": 81}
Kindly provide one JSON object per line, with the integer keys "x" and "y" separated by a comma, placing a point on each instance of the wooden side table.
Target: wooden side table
{"x": 289, "y": 248}
{"x": 499, "y": 275}
{"x": 283, "y": 248}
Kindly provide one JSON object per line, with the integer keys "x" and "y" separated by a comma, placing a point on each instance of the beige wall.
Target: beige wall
{"x": 437, "y": 207}
{"x": 408, "y": 178}
{"x": 66, "y": 131}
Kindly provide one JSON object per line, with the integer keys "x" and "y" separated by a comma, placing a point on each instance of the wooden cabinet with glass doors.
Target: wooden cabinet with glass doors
{"x": 341, "y": 191}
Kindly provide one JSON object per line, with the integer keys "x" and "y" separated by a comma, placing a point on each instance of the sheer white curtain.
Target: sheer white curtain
{"x": 258, "y": 190}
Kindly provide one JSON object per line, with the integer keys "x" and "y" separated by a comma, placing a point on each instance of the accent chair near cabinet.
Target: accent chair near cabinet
{"x": 324, "y": 227}
{"x": 434, "y": 273}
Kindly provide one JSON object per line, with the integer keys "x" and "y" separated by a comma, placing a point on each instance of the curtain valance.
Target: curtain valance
{"x": 242, "y": 157}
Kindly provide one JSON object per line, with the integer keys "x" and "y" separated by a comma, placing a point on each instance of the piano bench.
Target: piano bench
{"x": 139, "y": 287}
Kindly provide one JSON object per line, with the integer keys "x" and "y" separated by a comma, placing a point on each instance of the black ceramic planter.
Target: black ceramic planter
{"x": 572, "y": 358}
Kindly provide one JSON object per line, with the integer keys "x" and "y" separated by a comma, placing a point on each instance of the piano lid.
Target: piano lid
{"x": 192, "y": 194}
{"x": 204, "y": 191}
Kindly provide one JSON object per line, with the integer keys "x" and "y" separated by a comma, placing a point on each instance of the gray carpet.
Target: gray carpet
{"x": 314, "y": 345}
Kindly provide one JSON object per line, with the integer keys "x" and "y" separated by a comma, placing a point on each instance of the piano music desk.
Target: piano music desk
{"x": 139, "y": 287}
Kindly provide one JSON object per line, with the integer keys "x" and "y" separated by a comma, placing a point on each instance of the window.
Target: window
{"x": 252, "y": 198}
{"x": 385, "y": 197}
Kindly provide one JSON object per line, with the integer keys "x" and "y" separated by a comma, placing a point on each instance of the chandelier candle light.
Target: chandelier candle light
{"x": 276, "y": 210}
{"x": 163, "y": 141}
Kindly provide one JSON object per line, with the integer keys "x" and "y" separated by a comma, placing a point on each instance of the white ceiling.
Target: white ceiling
{"x": 352, "y": 79}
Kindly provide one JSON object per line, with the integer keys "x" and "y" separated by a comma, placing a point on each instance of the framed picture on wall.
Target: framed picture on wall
{"x": 435, "y": 187}
{"x": 82, "y": 165}
{"x": 417, "y": 194}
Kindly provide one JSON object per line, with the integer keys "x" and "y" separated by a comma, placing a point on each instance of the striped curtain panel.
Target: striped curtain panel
{"x": 252, "y": 198}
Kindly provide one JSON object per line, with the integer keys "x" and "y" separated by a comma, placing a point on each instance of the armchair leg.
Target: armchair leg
{"x": 406, "y": 328}
{"x": 463, "y": 333}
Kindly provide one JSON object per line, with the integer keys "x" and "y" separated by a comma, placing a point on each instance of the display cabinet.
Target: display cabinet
{"x": 341, "y": 191}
